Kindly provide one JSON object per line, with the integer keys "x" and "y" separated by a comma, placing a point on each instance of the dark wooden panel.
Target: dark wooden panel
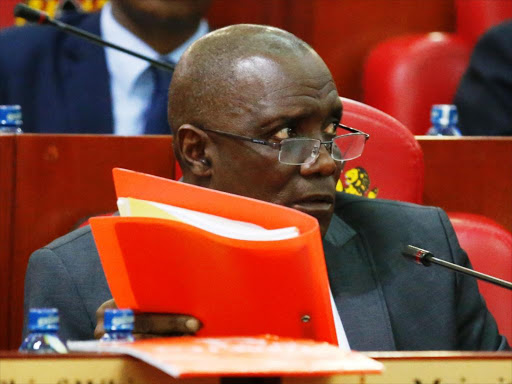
{"x": 469, "y": 175}
{"x": 7, "y": 159}
{"x": 62, "y": 179}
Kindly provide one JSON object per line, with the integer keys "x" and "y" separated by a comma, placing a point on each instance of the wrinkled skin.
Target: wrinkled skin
{"x": 277, "y": 99}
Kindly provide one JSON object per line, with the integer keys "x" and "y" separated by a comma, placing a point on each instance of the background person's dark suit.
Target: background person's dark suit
{"x": 385, "y": 302}
{"x": 60, "y": 81}
{"x": 484, "y": 97}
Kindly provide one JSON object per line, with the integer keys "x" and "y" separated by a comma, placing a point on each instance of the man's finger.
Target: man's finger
{"x": 165, "y": 324}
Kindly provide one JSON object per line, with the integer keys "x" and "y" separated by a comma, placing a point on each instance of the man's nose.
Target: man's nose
{"x": 324, "y": 164}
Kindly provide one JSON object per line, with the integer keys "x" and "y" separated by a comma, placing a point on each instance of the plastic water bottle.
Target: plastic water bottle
{"x": 118, "y": 324}
{"x": 10, "y": 119}
{"x": 43, "y": 325}
{"x": 445, "y": 120}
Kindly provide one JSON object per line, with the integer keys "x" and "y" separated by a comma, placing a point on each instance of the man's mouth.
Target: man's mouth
{"x": 316, "y": 205}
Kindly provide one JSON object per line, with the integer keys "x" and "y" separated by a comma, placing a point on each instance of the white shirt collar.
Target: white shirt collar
{"x": 129, "y": 68}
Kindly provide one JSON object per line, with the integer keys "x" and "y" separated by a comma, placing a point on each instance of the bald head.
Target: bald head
{"x": 235, "y": 95}
{"x": 213, "y": 72}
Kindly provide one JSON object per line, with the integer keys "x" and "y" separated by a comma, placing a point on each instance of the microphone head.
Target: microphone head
{"x": 30, "y": 14}
{"x": 420, "y": 256}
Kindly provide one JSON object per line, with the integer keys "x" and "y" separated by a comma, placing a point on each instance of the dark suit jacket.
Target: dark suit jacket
{"x": 385, "y": 302}
{"x": 60, "y": 81}
{"x": 484, "y": 97}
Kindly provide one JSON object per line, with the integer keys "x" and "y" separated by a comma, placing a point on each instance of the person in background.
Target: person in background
{"x": 484, "y": 96}
{"x": 65, "y": 84}
{"x": 264, "y": 122}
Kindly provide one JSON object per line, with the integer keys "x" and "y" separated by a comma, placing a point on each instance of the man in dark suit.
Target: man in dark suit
{"x": 484, "y": 97}
{"x": 68, "y": 85}
{"x": 263, "y": 122}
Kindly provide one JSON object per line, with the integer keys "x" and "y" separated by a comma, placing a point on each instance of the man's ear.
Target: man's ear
{"x": 194, "y": 146}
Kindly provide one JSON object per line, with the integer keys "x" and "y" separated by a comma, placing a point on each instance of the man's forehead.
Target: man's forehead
{"x": 256, "y": 68}
{"x": 267, "y": 91}
{"x": 257, "y": 76}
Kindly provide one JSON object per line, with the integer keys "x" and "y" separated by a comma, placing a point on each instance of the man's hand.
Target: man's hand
{"x": 149, "y": 325}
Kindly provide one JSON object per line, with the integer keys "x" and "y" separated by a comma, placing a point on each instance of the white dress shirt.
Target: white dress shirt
{"x": 131, "y": 84}
{"x": 340, "y": 331}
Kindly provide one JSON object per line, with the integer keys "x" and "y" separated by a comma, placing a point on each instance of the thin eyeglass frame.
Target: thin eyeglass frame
{"x": 327, "y": 144}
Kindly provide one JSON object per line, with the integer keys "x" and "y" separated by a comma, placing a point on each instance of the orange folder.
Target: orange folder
{"x": 234, "y": 287}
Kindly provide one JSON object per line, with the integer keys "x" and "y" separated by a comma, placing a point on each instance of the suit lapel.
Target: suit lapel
{"x": 85, "y": 82}
{"x": 356, "y": 289}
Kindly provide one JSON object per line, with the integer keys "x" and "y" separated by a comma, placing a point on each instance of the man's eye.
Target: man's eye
{"x": 284, "y": 133}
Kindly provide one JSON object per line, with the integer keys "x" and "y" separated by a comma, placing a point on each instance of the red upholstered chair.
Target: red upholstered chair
{"x": 489, "y": 247}
{"x": 405, "y": 76}
{"x": 391, "y": 166}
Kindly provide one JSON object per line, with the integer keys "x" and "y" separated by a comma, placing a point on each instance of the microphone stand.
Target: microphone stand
{"x": 422, "y": 256}
{"x": 36, "y": 16}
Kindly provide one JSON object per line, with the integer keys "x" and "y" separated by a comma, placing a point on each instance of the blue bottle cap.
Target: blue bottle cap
{"x": 43, "y": 319}
{"x": 444, "y": 114}
{"x": 10, "y": 115}
{"x": 118, "y": 320}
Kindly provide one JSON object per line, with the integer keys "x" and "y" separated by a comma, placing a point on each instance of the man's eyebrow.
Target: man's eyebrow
{"x": 286, "y": 118}
{"x": 290, "y": 117}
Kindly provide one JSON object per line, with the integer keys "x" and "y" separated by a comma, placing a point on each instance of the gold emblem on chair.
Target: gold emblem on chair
{"x": 356, "y": 181}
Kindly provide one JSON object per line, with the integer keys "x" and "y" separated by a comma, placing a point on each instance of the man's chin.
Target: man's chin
{"x": 323, "y": 213}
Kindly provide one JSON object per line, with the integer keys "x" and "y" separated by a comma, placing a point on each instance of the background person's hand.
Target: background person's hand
{"x": 149, "y": 325}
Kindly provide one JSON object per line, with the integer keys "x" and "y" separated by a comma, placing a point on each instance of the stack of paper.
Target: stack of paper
{"x": 233, "y": 229}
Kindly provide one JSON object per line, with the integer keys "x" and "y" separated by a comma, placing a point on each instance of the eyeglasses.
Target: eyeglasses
{"x": 303, "y": 150}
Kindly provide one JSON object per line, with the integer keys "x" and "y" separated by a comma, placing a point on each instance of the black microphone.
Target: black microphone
{"x": 40, "y": 17}
{"x": 30, "y": 14}
{"x": 422, "y": 256}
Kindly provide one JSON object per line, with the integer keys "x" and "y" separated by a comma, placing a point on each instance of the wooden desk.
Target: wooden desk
{"x": 469, "y": 174}
{"x": 400, "y": 368}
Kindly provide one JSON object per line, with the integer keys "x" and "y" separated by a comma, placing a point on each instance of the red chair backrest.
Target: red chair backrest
{"x": 405, "y": 76}
{"x": 474, "y": 17}
{"x": 489, "y": 247}
{"x": 392, "y": 159}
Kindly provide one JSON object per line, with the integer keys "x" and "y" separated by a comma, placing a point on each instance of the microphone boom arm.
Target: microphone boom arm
{"x": 34, "y": 15}
{"x": 422, "y": 256}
